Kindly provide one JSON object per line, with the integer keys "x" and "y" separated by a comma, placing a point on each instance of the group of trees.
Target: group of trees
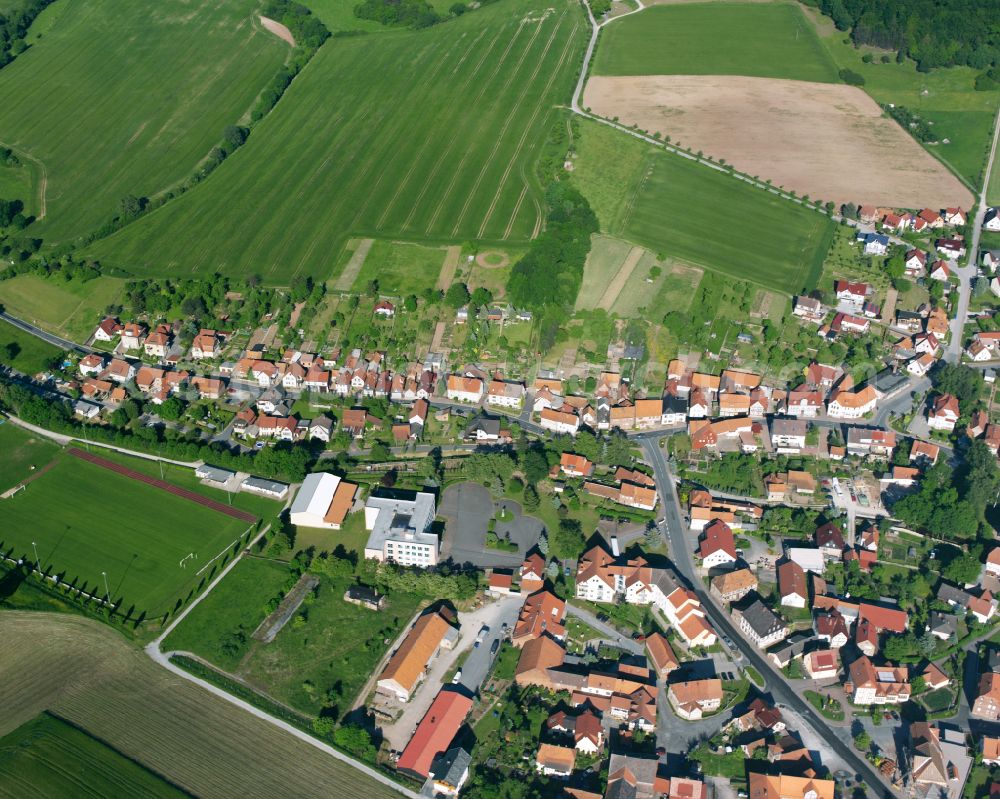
{"x": 399, "y": 13}
{"x": 307, "y": 30}
{"x": 550, "y": 273}
{"x": 934, "y": 34}
{"x": 14, "y": 24}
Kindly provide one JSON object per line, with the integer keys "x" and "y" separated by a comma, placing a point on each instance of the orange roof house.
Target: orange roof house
{"x": 541, "y": 613}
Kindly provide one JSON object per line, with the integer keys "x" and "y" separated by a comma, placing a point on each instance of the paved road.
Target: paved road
{"x": 478, "y": 664}
{"x": 966, "y": 273}
{"x": 680, "y": 552}
{"x": 610, "y": 633}
{"x": 55, "y": 341}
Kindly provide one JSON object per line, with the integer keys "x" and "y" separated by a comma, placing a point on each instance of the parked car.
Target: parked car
{"x": 458, "y": 677}
{"x": 495, "y": 646}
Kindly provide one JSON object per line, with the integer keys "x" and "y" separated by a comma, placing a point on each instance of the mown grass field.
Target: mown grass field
{"x": 680, "y": 209}
{"x": 48, "y": 757}
{"x": 759, "y": 40}
{"x": 21, "y": 451}
{"x": 88, "y": 674}
{"x": 71, "y": 309}
{"x": 234, "y": 607}
{"x": 80, "y": 99}
{"x": 445, "y": 154}
{"x": 86, "y": 520}
{"x": 18, "y": 183}
{"x": 23, "y": 351}
{"x": 400, "y": 268}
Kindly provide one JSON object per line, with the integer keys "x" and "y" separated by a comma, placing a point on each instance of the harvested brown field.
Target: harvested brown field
{"x": 278, "y": 30}
{"x": 826, "y": 140}
{"x": 89, "y": 675}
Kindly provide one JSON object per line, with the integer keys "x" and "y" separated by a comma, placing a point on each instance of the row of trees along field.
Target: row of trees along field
{"x": 932, "y": 33}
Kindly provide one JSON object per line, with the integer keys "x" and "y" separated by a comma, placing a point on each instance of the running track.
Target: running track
{"x": 162, "y": 484}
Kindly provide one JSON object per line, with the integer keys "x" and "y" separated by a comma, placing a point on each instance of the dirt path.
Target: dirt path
{"x": 278, "y": 30}
{"x": 448, "y": 268}
{"x": 353, "y": 268}
{"x": 621, "y": 278}
{"x": 438, "y": 335}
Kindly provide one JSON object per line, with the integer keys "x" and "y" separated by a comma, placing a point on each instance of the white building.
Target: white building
{"x": 323, "y": 501}
{"x": 400, "y": 530}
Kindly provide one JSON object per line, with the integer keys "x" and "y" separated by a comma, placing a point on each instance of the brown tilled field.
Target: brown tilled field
{"x": 825, "y": 140}
{"x": 87, "y": 674}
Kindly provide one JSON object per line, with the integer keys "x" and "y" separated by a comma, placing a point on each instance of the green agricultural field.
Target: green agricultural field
{"x": 400, "y": 268}
{"x": 21, "y": 451}
{"x": 945, "y": 97}
{"x": 993, "y": 193}
{"x": 125, "y": 98}
{"x": 86, "y": 520}
{"x": 219, "y": 628}
{"x": 678, "y": 209}
{"x": 23, "y": 351}
{"x": 446, "y": 154}
{"x": 759, "y": 40}
{"x": 49, "y": 757}
{"x": 18, "y": 183}
{"x": 71, "y": 309}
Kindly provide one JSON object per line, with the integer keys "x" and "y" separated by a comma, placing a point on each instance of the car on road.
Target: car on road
{"x": 495, "y": 646}
{"x": 458, "y": 677}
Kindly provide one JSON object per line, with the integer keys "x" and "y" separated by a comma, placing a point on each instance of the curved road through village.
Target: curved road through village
{"x": 673, "y": 530}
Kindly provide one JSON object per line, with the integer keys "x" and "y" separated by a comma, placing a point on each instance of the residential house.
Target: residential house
{"x": 852, "y": 293}
{"x": 716, "y": 545}
{"x": 870, "y": 684}
{"x": 915, "y": 263}
{"x": 465, "y": 389}
{"x": 821, "y": 664}
{"x": 792, "y": 584}
{"x": 132, "y": 335}
{"x": 321, "y": 428}
{"x": 829, "y": 538}
{"x": 923, "y": 453}
{"x": 943, "y": 413}
{"x": 870, "y": 442}
{"x": 119, "y": 371}
{"x": 873, "y": 243}
{"x": 532, "y": 572}
{"x": 157, "y": 343}
{"x": 585, "y": 728}
{"x": 661, "y": 654}
{"x": 205, "y": 345}
{"x": 107, "y": 329}
{"x": 555, "y": 761}
{"x": 846, "y": 404}
{"x": 559, "y": 421}
{"x": 505, "y": 394}
{"x": 733, "y": 586}
{"x": 761, "y": 625}
{"x": 632, "y": 777}
{"x": 952, "y": 248}
{"x": 788, "y": 436}
{"x": 807, "y": 403}
{"x": 810, "y": 309}
{"x": 91, "y": 364}
{"x": 940, "y": 271}
{"x": 575, "y": 465}
{"x": 986, "y": 705}
{"x": 541, "y": 614}
{"x": 434, "y": 735}
{"x": 693, "y": 698}
{"x": 831, "y": 627}
{"x": 762, "y": 785}
{"x": 939, "y": 761}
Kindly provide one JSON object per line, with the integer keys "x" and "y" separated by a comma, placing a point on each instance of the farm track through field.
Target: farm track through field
{"x": 525, "y": 87}
{"x": 475, "y": 104}
{"x": 448, "y": 268}
{"x": 163, "y": 485}
{"x": 514, "y": 159}
{"x": 354, "y": 266}
{"x": 418, "y": 158}
{"x": 454, "y": 140}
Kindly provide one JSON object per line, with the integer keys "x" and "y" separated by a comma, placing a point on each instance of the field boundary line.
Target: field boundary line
{"x": 163, "y": 485}
{"x": 449, "y": 266}
{"x": 43, "y": 177}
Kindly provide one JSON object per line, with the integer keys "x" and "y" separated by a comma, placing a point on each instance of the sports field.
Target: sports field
{"x": 49, "y": 757}
{"x": 680, "y": 209}
{"x": 21, "y": 451}
{"x": 86, "y": 519}
{"x": 125, "y": 98}
{"x": 88, "y": 674}
{"x": 70, "y": 309}
{"x": 442, "y": 150}
{"x": 762, "y": 40}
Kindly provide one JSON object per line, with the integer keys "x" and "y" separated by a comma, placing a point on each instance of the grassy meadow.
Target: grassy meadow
{"x": 400, "y": 268}
{"x": 86, "y": 519}
{"x": 71, "y": 309}
{"x": 21, "y": 451}
{"x": 680, "y": 209}
{"x": 759, "y": 40}
{"x": 50, "y": 757}
{"x": 23, "y": 351}
{"x": 446, "y": 154}
{"x": 80, "y": 100}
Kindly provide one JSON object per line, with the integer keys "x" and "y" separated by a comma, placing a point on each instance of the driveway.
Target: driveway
{"x": 478, "y": 664}
{"x": 611, "y": 635}
{"x": 468, "y": 508}
{"x": 493, "y": 614}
